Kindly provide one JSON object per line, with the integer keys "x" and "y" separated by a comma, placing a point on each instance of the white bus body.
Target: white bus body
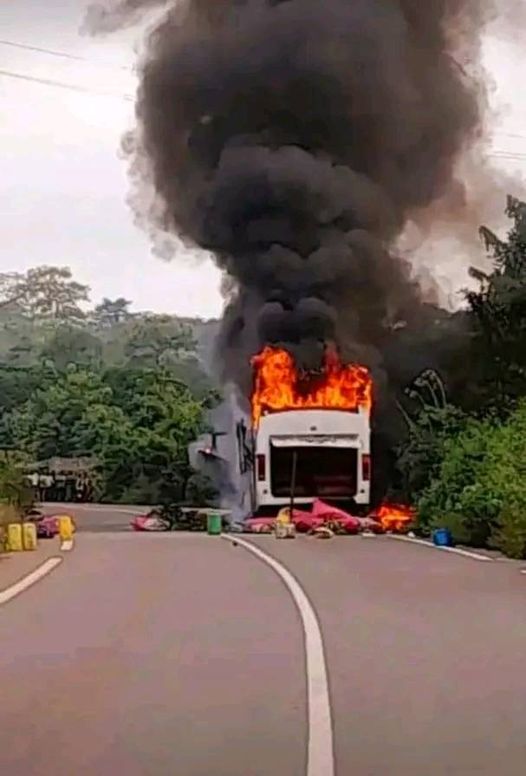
{"x": 333, "y": 458}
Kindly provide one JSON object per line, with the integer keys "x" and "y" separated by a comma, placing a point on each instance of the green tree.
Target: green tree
{"x": 498, "y": 311}
{"x": 420, "y": 456}
{"x": 105, "y": 383}
{"x": 137, "y": 423}
{"x": 49, "y": 293}
{"x": 158, "y": 340}
{"x": 12, "y": 291}
{"x": 23, "y": 353}
{"x": 505, "y": 480}
{"x": 111, "y": 312}
{"x": 51, "y": 422}
{"x": 72, "y": 345}
{"x": 167, "y": 418}
{"x": 457, "y": 496}
{"x": 480, "y": 488}
{"x": 431, "y": 421}
{"x": 17, "y": 384}
{"x": 15, "y": 495}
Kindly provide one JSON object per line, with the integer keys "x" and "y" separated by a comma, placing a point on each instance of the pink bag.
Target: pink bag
{"x": 327, "y": 512}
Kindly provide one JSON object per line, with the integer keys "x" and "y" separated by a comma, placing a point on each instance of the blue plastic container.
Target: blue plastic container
{"x": 442, "y": 537}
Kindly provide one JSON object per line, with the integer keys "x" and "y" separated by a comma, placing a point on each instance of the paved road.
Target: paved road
{"x": 95, "y": 518}
{"x": 176, "y": 655}
{"x": 426, "y": 655}
{"x": 153, "y": 656}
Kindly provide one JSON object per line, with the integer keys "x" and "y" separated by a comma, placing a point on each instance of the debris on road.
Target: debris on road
{"x": 324, "y": 533}
{"x": 175, "y": 517}
{"x": 322, "y": 515}
{"x": 284, "y": 528}
{"x": 48, "y": 526}
{"x": 286, "y": 524}
{"x": 148, "y": 522}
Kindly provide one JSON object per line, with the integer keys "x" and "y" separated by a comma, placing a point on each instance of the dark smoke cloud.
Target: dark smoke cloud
{"x": 294, "y": 139}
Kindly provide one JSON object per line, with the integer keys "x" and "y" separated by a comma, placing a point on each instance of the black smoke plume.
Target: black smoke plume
{"x": 294, "y": 139}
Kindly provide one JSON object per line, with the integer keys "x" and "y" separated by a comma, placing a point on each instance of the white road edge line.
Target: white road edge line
{"x": 320, "y": 756}
{"x": 67, "y": 545}
{"x": 31, "y": 579}
{"x": 454, "y": 550}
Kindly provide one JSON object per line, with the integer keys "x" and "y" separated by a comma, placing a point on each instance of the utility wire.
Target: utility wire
{"x": 61, "y": 54}
{"x": 518, "y": 160}
{"x": 508, "y": 154}
{"x": 62, "y": 85}
{"x": 511, "y": 134}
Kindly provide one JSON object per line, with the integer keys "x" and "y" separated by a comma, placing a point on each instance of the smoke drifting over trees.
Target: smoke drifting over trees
{"x": 294, "y": 139}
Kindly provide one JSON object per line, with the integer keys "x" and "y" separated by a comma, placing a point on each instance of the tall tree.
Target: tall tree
{"x": 498, "y": 310}
{"x": 49, "y": 293}
{"x": 111, "y": 312}
{"x": 158, "y": 340}
{"x": 11, "y": 290}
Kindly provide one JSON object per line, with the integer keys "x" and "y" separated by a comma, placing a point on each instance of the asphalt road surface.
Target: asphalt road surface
{"x": 168, "y": 655}
{"x": 96, "y": 518}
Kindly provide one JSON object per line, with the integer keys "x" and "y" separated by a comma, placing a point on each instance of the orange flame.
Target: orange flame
{"x": 395, "y": 517}
{"x": 278, "y": 385}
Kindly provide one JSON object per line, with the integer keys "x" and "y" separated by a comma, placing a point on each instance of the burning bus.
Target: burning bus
{"x": 310, "y": 434}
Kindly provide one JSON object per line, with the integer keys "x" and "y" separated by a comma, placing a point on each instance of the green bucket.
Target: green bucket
{"x": 214, "y": 524}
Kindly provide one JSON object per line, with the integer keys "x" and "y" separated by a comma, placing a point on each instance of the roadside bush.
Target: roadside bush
{"x": 14, "y": 491}
{"x": 509, "y": 534}
{"x": 457, "y": 494}
{"x": 456, "y": 524}
{"x": 480, "y": 490}
{"x": 8, "y": 514}
{"x": 506, "y": 474}
{"x": 15, "y": 497}
{"x": 143, "y": 490}
{"x": 421, "y": 454}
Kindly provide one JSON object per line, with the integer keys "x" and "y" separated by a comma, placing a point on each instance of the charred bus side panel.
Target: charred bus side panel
{"x": 332, "y": 453}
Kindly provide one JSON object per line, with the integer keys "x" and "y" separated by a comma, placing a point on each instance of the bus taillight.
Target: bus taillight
{"x": 366, "y": 468}
{"x": 261, "y": 467}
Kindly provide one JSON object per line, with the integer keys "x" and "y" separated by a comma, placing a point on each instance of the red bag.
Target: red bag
{"x": 327, "y": 512}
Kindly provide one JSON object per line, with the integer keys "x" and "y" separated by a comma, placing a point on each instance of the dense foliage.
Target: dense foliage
{"x": 464, "y": 464}
{"x": 480, "y": 488}
{"x": 128, "y": 389}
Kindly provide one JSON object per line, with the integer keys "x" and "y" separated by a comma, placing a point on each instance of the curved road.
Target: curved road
{"x": 181, "y": 655}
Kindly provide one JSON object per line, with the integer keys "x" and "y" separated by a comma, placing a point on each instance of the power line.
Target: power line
{"x": 511, "y": 134}
{"x": 61, "y": 54}
{"x": 62, "y": 85}
{"x": 498, "y": 154}
{"x": 509, "y": 154}
{"x": 517, "y": 159}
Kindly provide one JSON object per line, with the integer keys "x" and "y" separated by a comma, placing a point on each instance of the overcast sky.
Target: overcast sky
{"x": 63, "y": 188}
